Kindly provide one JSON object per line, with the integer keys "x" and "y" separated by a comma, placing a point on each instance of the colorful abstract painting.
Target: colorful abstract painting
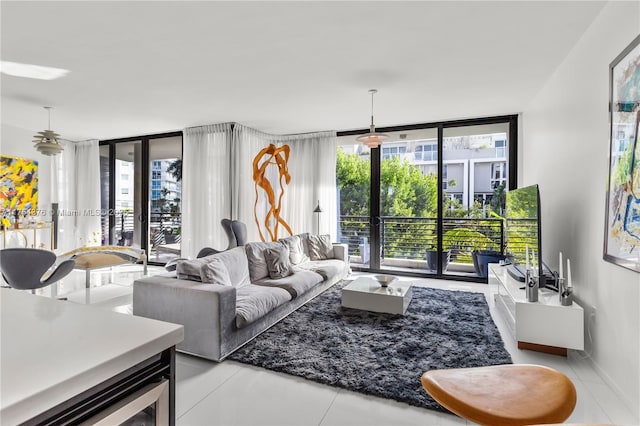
{"x": 270, "y": 176}
{"x": 18, "y": 184}
{"x": 622, "y": 239}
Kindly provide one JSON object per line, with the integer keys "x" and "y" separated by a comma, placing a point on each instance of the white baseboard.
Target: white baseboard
{"x": 630, "y": 404}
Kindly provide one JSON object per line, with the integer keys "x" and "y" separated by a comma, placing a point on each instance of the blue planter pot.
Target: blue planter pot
{"x": 482, "y": 258}
{"x": 431, "y": 257}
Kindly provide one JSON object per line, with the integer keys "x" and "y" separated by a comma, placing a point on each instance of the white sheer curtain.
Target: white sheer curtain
{"x": 313, "y": 169}
{"x": 311, "y": 166}
{"x": 76, "y": 189}
{"x": 206, "y": 196}
{"x": 247, "y": 143}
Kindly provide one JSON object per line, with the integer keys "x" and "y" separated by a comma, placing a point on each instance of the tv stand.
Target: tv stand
{"x": 544, "y": 326}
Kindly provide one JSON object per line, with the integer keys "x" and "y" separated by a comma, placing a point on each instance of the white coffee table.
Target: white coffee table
{"x": 367, "y": 294}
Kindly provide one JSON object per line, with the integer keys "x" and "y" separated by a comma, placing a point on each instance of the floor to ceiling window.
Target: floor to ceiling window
{"x": 475, "y": 160}
{"x": 429, "y": 197}
{"x": 353, "y": 171}
{"x": 141, "y": 193}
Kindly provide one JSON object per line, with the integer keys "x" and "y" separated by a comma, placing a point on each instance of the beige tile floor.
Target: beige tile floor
{"x": 231, "y": 393}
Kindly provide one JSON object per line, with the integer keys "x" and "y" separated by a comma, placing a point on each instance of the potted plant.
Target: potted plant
{"x": 431, "y": 256}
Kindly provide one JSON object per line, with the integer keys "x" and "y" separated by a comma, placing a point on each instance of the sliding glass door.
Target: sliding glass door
{"x": 409, "y": 200}
{"x": 353, "y": 170}
{"x": 426, "y": 200}
{"x": 121, "y": 193}
{"x": 141, "y": 193}
{"x": 165, "y": 195}
{"x": 474, "y": 183}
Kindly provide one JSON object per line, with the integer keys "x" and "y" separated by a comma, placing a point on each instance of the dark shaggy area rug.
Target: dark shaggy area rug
{"x": 380, "y": 354}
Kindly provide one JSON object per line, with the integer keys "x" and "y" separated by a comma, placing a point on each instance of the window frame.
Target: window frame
{"x": 376, "y": 159}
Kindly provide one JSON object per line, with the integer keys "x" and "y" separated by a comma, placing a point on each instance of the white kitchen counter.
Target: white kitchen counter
{"x": 52, "y": 350}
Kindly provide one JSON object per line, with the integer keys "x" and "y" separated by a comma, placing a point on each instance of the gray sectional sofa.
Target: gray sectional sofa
{"x": 226, "y": 299}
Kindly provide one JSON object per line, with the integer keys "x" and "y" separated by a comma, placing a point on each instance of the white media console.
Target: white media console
{"x": 545, "y": 325}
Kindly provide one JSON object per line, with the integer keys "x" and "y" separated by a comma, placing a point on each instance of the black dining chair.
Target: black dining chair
{"x": 30, "y": 269}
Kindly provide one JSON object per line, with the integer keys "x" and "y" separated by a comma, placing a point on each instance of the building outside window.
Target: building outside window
{"x": 426, "y": 152}
{"x": 501, "y": 148}
{"x": 445, "y": 184}
{"x": 498, "y": 175}
{"x": 165, "y": 191}
{"x": 393, "y": 151}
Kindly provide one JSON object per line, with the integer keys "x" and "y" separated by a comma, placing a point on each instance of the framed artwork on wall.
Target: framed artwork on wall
{"x": 622, "y": 215}
{"x": 18, "y": 185}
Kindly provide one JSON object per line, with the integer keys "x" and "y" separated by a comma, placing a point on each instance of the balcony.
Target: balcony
{"x": 409, "y": 243}
{"x": 164, "y": 234}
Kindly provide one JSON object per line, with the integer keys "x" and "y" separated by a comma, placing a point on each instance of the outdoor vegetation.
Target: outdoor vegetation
{"x": 409, "y": 206}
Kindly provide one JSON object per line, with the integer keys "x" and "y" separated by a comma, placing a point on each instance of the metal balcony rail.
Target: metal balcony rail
{"x": 164, "y": 227}
{"x": 413, "y": 237}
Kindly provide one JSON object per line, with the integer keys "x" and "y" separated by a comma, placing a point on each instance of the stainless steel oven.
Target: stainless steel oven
{"x": 148, "y": 406}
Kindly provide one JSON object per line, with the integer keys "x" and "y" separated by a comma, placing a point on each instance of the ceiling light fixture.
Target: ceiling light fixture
{"x": 372, "y": 139}
{"x": 39, "y": 72}
{"x": 47, "y": 140}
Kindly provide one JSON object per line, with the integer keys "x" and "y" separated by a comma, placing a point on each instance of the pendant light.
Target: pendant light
{"x": 47, "y": 140}
{"x": 372, "y": 139}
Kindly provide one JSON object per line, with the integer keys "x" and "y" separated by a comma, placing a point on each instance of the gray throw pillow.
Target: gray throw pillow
{"x": 255, "y": 256}
{"x": 215, "y": 272}
{"x": 320, "y": 247}
{"x": 296, "y": 250}
{"x": 278, "y": 262}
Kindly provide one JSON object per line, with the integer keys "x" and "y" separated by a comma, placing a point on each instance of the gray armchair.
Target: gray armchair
{"x": 26, "y": 268}
{"x": 236, "y": 233}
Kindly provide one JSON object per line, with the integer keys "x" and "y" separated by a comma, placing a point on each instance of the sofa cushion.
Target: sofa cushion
{"x": 304, "y": 241}
{"x": 328, "y": 268}
{"x": 189, "y": 269}
{"x": 296, "y": 249}
{"x": 320, "y": 247}
{"x": 296, "y": 284}
{"x": 254, "y": 301}
{"x": 278, "y": 262}
{"x": 257, "y": 262}
{"x": 235, "y": 260}
{"x": 215, "y": 272}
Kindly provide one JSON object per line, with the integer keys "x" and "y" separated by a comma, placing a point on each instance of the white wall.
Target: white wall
{"x": 18, "y": 142}
{"x": 564, "y": 149}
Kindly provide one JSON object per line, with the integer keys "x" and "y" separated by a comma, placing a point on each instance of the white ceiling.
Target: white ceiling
{"x": 281, "y": 67}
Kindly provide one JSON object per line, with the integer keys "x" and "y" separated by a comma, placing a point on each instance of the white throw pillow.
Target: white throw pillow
{"x": 304, "y": 242}
{"x": 320, "y": 247}
{"x": 237, "y": 265}
{"x": 215, "y": 272}
{"x": 189, "y": 269}
{"x": 296, "y": 249}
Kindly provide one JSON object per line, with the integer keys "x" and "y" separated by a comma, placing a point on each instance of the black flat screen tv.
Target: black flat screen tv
{"x": 524, "y": 230}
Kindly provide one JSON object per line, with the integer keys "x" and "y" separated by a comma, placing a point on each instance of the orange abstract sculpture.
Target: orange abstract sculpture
{"x": 271, "y": 156}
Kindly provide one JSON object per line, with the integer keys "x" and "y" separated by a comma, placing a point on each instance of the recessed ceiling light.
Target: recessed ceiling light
{"x": 39, "y": 72}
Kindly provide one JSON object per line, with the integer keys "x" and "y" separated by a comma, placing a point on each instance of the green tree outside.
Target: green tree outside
{"x": 406, "y": 192}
